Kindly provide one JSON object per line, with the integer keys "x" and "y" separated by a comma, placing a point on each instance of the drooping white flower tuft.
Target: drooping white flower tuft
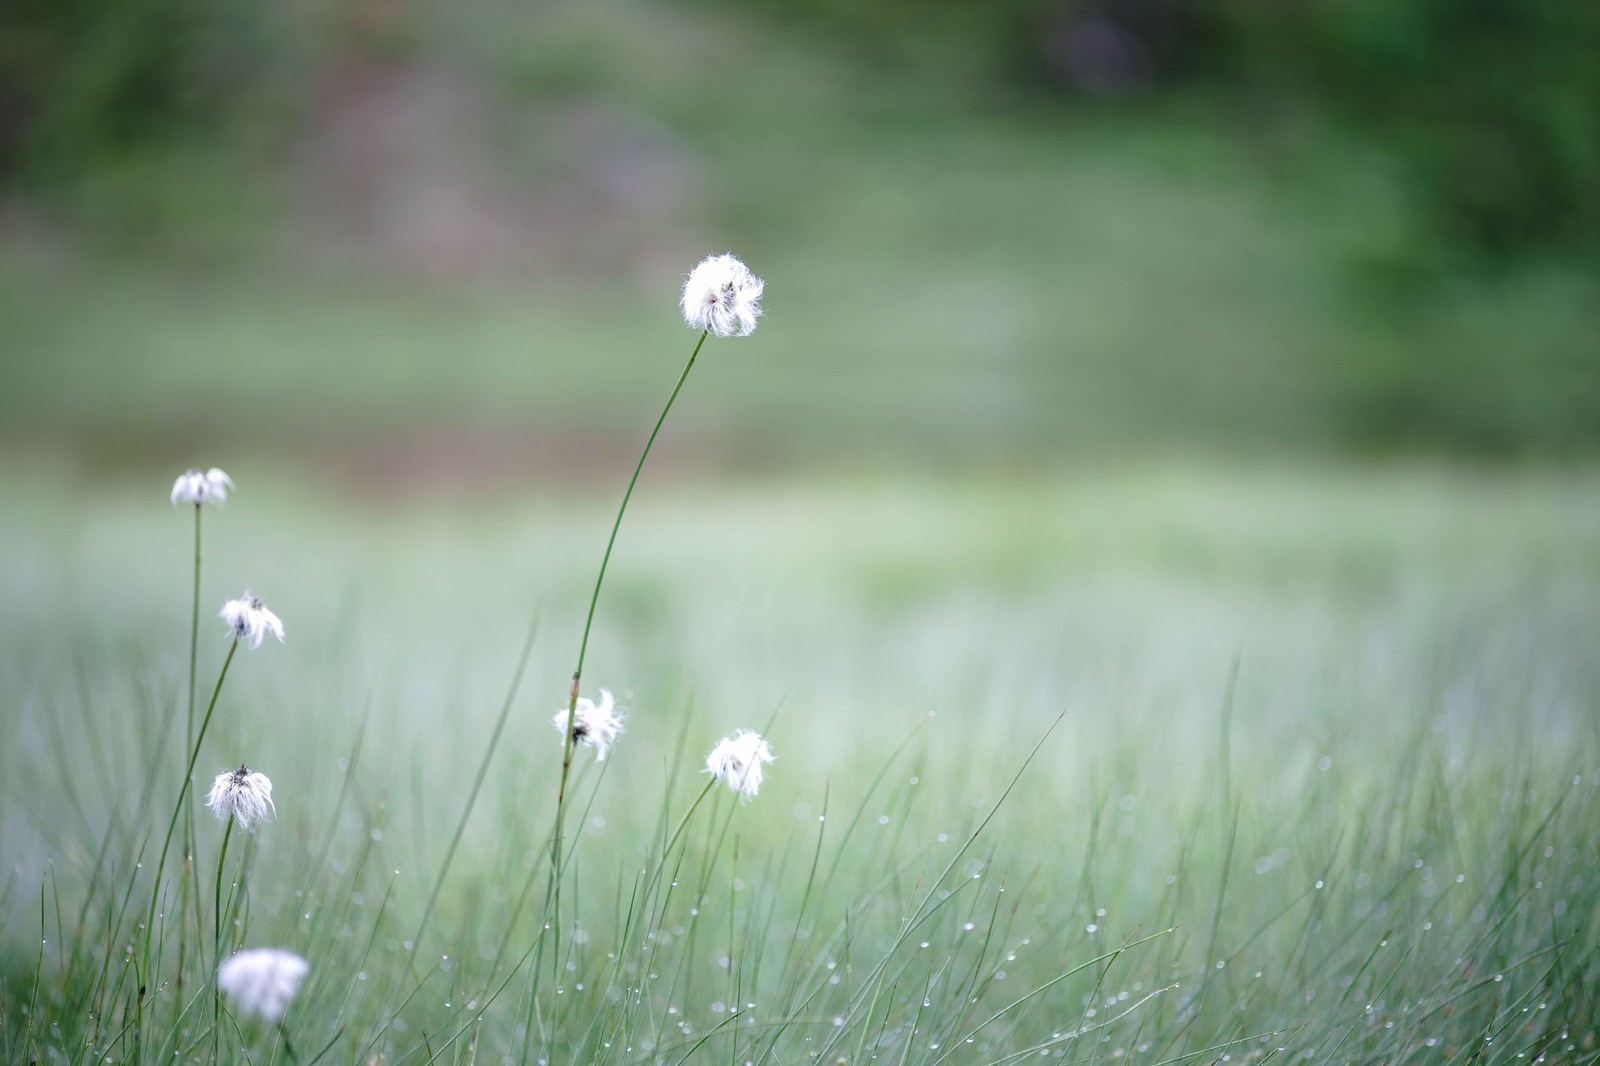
{"x": 597, "y": 725}
{"x": 244, "y": 795}
{"x": 737, "y": 760}
{"x": 201, "y": 486}
{"x": 721, "y": 295}
{"x": 250, "y": 620}
{"x": 262, "y": 981}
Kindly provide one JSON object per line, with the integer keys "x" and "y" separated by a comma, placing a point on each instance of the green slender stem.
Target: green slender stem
{"x": 194, "y": 630}
{"x": 183, "y": 792}
{"x": 216, "y": 947}
{"x": 682, "y": 824}
{"x": 188, "y": 743}
{"x": 569, "y": 743}
{"x": 583, "y": 647}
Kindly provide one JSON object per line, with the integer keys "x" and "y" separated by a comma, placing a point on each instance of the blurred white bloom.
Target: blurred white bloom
{"x": 262, "y": 981}
{"x": 250, "y": 620}
{"x": 201, "y": 486}
{"x": 721, "y": 295}
{"x": 597, "y": 725}
{"x": 737, "y": 760}
{"x": 244, "y": 795}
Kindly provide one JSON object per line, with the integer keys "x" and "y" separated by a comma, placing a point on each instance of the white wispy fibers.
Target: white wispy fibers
{"x": 721, "y": 295}
{"x": 262, "y": 981}
{"x": 245, "y": 795}
{"x": 595, "y": 724}
{"x": 250, "y": 620}
{"x": 201, "y": 486}
{"x": 737, "y": 761}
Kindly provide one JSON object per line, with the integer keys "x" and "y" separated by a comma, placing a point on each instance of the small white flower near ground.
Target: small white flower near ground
{"x": 250, "y": 620}
{"x": 201, "y": 486}
{"x": 262, "y": 981}
{"x": 737, "y": 761}
{"x": 595, "y": 724}
{"x": 721, "y": 295}
{"x": 244, "y": 795}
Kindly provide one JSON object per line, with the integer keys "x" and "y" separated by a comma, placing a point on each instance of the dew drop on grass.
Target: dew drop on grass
{"x": 883, "y": 819}
{"x": 968, "y": 926}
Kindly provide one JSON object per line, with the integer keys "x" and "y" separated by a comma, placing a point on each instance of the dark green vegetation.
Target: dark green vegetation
{"x": 377, "y": 227}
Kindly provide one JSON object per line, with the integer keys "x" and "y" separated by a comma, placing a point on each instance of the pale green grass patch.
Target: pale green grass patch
{"x": 1327, "y": 775}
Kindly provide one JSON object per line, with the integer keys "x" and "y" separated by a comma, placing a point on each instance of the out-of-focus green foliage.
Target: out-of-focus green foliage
{"x": 1016, "y": 229}
{"x": 1494, "y": 105}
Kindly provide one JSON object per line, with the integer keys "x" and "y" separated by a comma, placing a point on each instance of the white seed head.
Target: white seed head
{"x": 595, "y": 724}
{"x": 721, "y": 295}
{"x": 201, "y": 486}
{"x": 244, "y": 795}
{"x": 737, "y": 761}
{"x": 250, "y": 620}
{"x": 262, "y": 981}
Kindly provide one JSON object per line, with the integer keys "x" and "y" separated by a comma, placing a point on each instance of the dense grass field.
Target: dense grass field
{"x": 1157, "y": 764}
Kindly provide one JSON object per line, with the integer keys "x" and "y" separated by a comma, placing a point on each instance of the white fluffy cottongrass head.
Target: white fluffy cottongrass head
{"x": 721, "y": 295}
{"x": 595, "y": 724}
{"x": 262, "y": 981}
{"x": 737, "y": 761}
{"x": 245, "y": 795}
{"x": 250, "y": 620}
{"x": 201, "y": 486}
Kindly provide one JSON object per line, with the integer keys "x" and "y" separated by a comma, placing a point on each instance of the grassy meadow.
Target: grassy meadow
{"x": 1166, "y": 567}
{"x": 1162, "y": 763}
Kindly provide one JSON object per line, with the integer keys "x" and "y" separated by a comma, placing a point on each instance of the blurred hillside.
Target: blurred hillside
{"x": 408, "y": 232}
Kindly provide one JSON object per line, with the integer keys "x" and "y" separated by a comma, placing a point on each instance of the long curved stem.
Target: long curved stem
{"x": 569, "y": 743}
{"x": 188, "y": 743}
{"x": 183, "y": 792}
{"x": 583, "y": 646}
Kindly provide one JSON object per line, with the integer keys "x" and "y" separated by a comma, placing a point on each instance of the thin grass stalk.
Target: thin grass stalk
{"x": 183, "y": 793}
{"x": 216, "y": 946}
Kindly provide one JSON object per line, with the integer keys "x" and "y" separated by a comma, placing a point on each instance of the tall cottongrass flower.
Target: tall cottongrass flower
{"x": 722, "y": 296}
{"x": 201, "y": 486}
{"x": 262, "y": 982}
{"x": 737, "y": 759}
{"x": 244, "y": 795}
{"x": 250, "y": 620}
{"x": 595, "y": 724}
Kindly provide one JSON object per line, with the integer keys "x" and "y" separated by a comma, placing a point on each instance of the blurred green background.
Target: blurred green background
{"x": 427, "y": 245}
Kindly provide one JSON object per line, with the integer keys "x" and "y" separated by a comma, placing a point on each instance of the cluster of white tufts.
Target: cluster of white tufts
{"x": 261, "y": 982}
{"x": 201, "y": 486}
{"x": 250, "y": 620}
{"x": 722, "y": 296}
{"x": 595, "y": 724}
{"x": 245, "y": 795}
{"x": 736, "y": 761}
